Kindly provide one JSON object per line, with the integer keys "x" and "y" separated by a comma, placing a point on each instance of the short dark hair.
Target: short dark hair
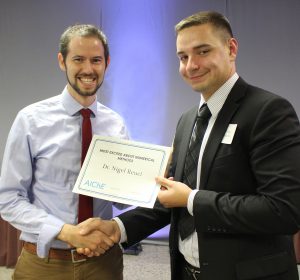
{"x": 219, "y": 21}
{"x": 83, "y": 30}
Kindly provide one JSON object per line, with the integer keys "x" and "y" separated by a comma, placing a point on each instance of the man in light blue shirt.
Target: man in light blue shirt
{"x": 42, "y": 161}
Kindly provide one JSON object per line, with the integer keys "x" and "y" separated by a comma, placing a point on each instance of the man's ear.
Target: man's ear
{"x": 107, "y": 62}
{"x": 61, "y": 62}
{"x": 233, "y": 48}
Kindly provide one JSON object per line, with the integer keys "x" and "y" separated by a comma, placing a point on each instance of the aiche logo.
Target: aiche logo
{"x": 94, "y": 184}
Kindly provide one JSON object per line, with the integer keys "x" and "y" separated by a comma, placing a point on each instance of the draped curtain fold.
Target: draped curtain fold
{"x": 10, "y": 246}
{"x": 297, "y": 246}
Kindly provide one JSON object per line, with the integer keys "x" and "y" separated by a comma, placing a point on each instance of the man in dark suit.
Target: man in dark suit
{"x": 242, "y": 207}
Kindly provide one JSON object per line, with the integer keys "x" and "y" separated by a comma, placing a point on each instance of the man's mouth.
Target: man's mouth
{"x": 87, "y": 80}
{"x": 197, "y": 77}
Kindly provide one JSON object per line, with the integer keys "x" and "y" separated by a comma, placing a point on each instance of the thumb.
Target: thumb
{"x": 163, "y": 182}
{"x": 89, "y": 225}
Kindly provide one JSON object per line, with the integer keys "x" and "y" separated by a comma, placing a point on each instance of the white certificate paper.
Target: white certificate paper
{"x": 122, "y": 171}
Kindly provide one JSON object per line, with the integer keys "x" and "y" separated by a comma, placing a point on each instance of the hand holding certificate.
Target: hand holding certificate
{"x": 122, "y": 171}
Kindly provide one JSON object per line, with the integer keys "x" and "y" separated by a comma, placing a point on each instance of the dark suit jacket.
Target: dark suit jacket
{"x": 248, "y": 205}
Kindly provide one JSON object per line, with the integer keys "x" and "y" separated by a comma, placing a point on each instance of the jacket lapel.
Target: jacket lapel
{"x": 221, "y": 124}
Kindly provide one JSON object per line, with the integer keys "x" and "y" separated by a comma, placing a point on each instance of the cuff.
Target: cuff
{"x": 49, "y": 231}
{"x": 191, "y": 201}
{"x": 122, "y": 229}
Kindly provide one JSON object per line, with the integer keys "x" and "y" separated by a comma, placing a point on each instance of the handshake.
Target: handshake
{"x": 93, "y": 237}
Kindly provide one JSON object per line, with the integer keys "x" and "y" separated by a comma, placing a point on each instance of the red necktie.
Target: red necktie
{"x": 85, "y": 208}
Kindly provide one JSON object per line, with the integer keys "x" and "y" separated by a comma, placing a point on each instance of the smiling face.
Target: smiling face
{"x": 207, "y": 59}
{"x": 85, "y": 68}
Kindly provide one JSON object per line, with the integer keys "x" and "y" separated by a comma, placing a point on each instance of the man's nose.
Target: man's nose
{"x": 88, "y": 67}
{"x": 192, "y": 64}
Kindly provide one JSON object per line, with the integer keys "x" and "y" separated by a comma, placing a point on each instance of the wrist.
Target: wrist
{"x": 64, "y": 234}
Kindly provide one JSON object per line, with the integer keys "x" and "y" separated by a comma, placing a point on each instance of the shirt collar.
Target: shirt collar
{"x": 217, "y": 100}
{"x": 72, "y": 106}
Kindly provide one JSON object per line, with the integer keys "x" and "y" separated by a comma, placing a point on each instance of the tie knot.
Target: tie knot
{"x": 86, "y": 113}
{"x": 204, "y": 112}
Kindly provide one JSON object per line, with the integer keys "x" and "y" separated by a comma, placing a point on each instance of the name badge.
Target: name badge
{"x": 229, "y": 134}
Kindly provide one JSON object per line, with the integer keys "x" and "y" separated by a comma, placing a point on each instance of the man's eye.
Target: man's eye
{"x": 183, "y": 58}
{"x": 203, "y": 52}
{"x": 97, "y": 60}
{"x": 78, "y": 59}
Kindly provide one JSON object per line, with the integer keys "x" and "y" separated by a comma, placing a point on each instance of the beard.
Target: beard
{"x": 77, "y": 89}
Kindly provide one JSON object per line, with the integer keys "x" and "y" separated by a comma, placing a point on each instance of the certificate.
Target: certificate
{"x": 122, "y": 171}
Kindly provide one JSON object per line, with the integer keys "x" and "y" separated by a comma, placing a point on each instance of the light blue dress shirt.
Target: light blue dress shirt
{"x": 40, "y": 166}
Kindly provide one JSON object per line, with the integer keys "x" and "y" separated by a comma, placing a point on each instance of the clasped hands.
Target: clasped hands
{"x": 95, "y": 236}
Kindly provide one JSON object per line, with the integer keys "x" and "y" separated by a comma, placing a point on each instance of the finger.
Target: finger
{"x": 163, "y": 188}
{"x": 91, "y": 255}
{"x": 87, "y": 251}
{"x": 105, "y": 241}
{"x": 107, "y": 246}
{"x": 85, "y": 222}
{"x": 97, "y": 254}
{"x": 84, "y": 251}
{"x": 80, "y": 251}
{"x": 163, "y": 182}
{"x": 100, "y": 251}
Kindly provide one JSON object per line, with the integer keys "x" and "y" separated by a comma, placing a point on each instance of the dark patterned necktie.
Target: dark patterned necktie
{"x": 85, "y": 208}
{"x": 186, "y": 221}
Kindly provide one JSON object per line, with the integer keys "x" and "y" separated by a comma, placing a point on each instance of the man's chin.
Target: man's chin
{"x": 197, "y": 88}
{"x": 86, "y": 94}
{"x": 90, "y": 92}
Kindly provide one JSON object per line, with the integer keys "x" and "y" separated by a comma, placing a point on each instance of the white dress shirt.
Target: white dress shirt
{"x": 189, "y": 246}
